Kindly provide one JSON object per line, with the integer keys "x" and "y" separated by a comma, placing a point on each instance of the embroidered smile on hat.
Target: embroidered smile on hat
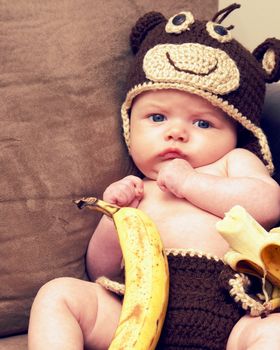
{"x": 201, "y": 57}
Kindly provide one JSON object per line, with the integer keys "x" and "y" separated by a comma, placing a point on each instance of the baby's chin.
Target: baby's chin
{"x": 150, "y": 175}
{"x": 153, "y": 173}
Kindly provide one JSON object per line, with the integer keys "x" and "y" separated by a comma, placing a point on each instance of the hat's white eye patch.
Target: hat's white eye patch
{"x": 179, "y": 23}
{"x": 218, "y": 32}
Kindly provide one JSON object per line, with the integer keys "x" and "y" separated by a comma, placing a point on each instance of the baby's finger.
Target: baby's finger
{"x": 137, "y": 184}
{"x": 139, "y": 190}
{"x": 114, "y": 194}
{"x": 163, "y": 188}
{"x": 161, "y": 184}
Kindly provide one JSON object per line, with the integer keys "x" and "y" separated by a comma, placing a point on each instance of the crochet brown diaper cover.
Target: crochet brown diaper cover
{"x": 201, "y": 313}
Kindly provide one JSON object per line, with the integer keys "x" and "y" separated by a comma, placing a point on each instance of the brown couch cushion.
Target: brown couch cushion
{"x": 62, "y": 70}
{"x": 16, "y": 342}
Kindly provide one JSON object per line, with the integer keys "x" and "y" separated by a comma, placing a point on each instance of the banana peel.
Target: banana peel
{"x": 253, "y": 250}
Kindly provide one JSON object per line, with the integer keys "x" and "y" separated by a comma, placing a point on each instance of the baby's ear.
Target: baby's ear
{"x": 142, "y": 27}
{"x": 268, "y": 54}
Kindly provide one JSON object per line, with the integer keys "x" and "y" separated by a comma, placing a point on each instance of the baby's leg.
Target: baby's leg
{"x": 72, "y": 314}
{"x": 256, "y": 333}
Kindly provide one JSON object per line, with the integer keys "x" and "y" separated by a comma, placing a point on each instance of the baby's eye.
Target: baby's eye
{"x": 204, "y": 124}
{"x": 157, "y": 118}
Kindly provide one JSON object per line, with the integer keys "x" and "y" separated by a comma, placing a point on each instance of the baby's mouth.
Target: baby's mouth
{"x": 172, "y": 154}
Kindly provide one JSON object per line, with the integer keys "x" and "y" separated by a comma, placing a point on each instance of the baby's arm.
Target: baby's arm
{"x": 247, "y": 183}
{"x": 104, "y": 255}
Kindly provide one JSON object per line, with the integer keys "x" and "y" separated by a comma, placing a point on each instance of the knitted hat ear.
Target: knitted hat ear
{"x": 142, "y": 27}
{"x": 268, "y": 54}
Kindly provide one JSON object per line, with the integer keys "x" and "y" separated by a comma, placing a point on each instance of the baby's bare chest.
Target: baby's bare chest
{"x": 181, "y": 224}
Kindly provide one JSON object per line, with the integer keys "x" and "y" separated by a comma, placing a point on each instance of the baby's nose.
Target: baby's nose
{"x": 177, "y": 133}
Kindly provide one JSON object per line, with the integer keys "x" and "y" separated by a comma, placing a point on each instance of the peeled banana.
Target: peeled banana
{"x": 146, "y": 276}
{"x": 253, "y": 250}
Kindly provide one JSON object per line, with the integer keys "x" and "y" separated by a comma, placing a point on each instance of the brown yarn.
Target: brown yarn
{"x": 142, "y": 27}
{"x": 226, "y": 11}
{"x": 200, "y": 312}
{"x": 261, "y": 50}
{"x": 178, "y": 53}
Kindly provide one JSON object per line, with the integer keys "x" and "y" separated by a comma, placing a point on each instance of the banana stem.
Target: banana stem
{"x": 96, "y": 204}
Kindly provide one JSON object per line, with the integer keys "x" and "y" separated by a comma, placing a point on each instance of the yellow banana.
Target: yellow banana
{"x": 146, "y": 276}
{"x": 253, "y": 250}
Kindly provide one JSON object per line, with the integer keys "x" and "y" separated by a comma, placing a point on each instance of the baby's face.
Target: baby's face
{"x": 168, "y": 124}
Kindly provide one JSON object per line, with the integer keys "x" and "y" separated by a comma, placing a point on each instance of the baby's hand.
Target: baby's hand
{"x": 126, "y": 192}
{"x": 172, "y": 176}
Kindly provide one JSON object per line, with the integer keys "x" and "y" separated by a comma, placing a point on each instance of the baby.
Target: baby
{"x": 191, "y": 124}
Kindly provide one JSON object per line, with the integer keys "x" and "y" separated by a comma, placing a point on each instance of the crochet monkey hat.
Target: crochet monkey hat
{"x": 201, "y": 57}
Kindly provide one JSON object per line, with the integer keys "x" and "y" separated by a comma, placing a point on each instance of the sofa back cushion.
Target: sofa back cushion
{"x": 62, "y": 71}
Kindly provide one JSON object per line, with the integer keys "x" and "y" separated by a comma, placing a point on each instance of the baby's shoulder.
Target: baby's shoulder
{"x": 241, "y": 161}
{"x": 240, "y": 153}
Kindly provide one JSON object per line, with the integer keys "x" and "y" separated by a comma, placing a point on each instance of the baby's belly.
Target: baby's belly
{"x": 185, "y": 226}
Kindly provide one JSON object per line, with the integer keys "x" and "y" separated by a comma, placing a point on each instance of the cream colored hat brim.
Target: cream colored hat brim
{"x": 215, "y": 100}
